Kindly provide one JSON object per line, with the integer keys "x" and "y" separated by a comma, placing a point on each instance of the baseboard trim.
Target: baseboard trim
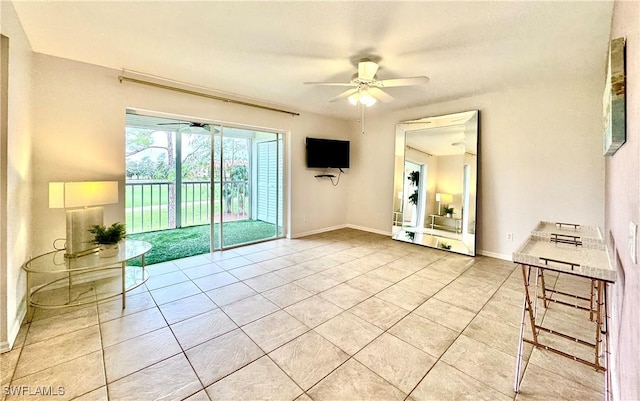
{"x": 368, "y": 229}
{"x": 383, "y": 232}
{"x": 318, "y": 231}
{"x": 12, "y": 334}
{"x": 494, "y": 255}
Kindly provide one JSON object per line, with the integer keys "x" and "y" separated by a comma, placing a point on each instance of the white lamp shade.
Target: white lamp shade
{"x": 56, "y": 195}
{"x": 442, "y": 197}
{"x": 82, "y": 194}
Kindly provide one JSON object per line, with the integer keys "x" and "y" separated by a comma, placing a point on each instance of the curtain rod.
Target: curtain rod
{"x": 122, "y": 78}
{"x": 418, "y": 150}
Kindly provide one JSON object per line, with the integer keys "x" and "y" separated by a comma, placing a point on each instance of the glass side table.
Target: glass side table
{"x": 52, "y": 271}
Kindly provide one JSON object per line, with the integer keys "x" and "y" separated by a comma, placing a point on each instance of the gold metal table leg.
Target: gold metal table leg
{"x": 526, "y": 271}
{"x": 607, "y": 372}
{"x": 124, "y": 292}
{"x": 544, "y": 289}
{"x": 599, "y": 312}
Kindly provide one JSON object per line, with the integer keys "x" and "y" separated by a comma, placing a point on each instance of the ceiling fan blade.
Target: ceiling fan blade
{"x": 388, "y": 83}
{"x": 380, "y": 95}
{"x": 181, "y": 125}
{"x": 344, "y": 94}
{"x": 367, "y": 70}
{"x": 330, "y": 83}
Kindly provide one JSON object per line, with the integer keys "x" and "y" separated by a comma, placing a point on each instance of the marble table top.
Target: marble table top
{"x": 590, "y": 261}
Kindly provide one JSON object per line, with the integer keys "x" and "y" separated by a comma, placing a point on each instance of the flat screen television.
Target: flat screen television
{"x": 327, "y": 153}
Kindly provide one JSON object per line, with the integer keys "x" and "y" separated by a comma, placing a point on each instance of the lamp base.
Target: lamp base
{"x": 79, "y": 222}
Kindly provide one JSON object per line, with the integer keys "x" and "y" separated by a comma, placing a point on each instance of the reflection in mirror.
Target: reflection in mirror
{"x": 435, "y": 182}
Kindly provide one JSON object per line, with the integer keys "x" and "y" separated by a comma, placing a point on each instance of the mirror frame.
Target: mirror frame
{"x": 424, "y": 236}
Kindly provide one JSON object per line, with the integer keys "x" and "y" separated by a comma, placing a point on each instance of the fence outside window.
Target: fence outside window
{"x": 152, "y": 206}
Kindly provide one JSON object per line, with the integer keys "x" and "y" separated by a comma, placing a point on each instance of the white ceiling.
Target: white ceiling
{"x": 266, "y": 49}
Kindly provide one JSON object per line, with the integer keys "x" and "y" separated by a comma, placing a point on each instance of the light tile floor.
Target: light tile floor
{"x": 342, "y": 315}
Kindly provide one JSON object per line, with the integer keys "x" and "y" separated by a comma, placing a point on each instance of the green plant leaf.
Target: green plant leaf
{"x": 103, "y": 235}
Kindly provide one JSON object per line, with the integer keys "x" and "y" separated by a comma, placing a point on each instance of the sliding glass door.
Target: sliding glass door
{"x": 184, "y": 174}
{"x": 248, "y": 166}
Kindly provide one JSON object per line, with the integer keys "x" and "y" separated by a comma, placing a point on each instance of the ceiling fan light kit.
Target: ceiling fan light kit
{"x": 366, "y": 87}
{"x": 363, "y": 97}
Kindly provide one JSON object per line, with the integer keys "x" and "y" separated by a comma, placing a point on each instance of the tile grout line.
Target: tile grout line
{"x": 24, "y": 344}
{"x": 375, "y": 248}
{"x": 102, "y": 349}
{"x": 375, "y": 338}
{"x": 438, "y": 359}
{"x": 152, "y": 331}
{"x": 100, "y": 333}
{"x": 15, "y": 367}
{"x": 267, "y": 353}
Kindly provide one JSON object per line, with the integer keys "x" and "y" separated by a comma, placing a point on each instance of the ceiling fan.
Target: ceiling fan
{"x": 189, "y": 124}
{"x": 366, "y": 87}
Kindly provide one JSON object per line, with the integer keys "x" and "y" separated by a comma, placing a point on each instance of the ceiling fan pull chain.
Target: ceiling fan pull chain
{"x": 362, "y": 118}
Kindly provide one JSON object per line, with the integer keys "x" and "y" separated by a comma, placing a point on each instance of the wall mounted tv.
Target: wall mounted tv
{"x": 327, "y": 153}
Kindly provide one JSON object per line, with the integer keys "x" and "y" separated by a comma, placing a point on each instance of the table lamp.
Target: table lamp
{"x": 79, "y": 196}
{"x": 443, "y": 198}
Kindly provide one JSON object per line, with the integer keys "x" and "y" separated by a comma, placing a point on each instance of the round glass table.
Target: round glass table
{"x": 59, "y": 281}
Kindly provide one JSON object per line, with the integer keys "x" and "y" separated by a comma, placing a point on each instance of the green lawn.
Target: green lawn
{"x": 191, "y": 241}
{"x": 158, "y": 194}
{"x": 157, "y": 217}
{"x": 148, "y": 203}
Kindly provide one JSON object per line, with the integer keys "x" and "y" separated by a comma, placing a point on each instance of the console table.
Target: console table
{"x": 57, "y": 271}
{"x": 565, "y": 249}
{"x": 397, "y": 219}
{"x": 456, "y": 226}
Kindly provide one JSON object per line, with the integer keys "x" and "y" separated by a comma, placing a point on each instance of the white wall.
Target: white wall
{"x": 623, "y": 207}
{"x": 15, "y": 169}
{"x": 540, "y": 159}
{"x": 79, "y": 135}
{"x": 540, "y": 153}
{"x": 451, "y": 180}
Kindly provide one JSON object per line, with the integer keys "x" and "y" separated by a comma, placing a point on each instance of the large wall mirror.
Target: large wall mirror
{"x": 436, "y": 164}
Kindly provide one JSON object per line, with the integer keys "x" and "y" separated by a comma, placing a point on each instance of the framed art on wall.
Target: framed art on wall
{"x": 613, "y": 101}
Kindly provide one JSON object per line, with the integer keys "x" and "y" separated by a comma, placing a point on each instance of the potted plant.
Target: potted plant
{"x": 414, "y": 178}
{"x": 108, "y": 238}
{"x": 448, "y": 211}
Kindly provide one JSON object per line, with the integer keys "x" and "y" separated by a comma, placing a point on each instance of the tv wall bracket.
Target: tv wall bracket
{"x": 331, "y": 177}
